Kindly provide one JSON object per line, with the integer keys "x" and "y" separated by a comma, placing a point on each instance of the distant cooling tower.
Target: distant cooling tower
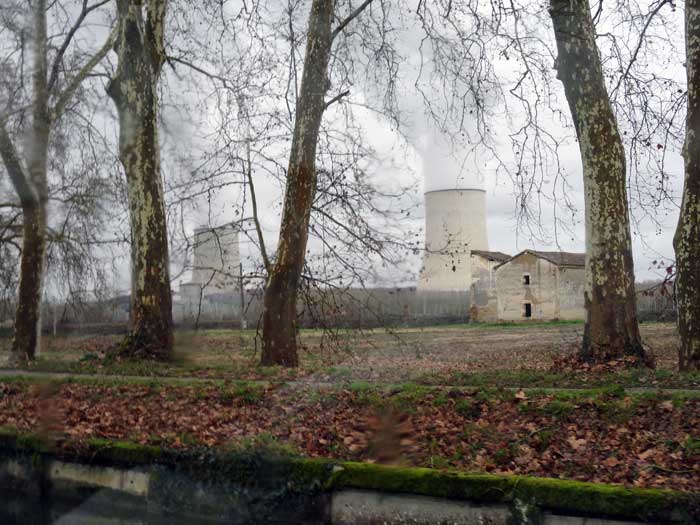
{"x": 216, "y": 258}
{"x": 455, "y": 224}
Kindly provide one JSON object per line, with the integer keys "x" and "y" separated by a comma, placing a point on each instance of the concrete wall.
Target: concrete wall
{"x": 133, "y": 485}
{"x": 483, "y": 271}
{"x": 541, "y": 293}
{"x": 455, "y": 223}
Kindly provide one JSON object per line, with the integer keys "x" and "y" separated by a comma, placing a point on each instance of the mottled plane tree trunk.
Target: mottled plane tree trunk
{"x": 611, "y": 329}
{"x": 687, "y": 239}
{"x": 28, "y": 171}
{"x": 133, "y": 88}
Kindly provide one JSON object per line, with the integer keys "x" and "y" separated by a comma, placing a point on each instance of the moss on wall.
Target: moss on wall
{"x": 300, "y": 476}
{"x": 558, "y": 495}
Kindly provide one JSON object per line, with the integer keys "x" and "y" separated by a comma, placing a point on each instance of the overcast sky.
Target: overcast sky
{"x": 425, "y": 158}
{"x": 423, "y": 155}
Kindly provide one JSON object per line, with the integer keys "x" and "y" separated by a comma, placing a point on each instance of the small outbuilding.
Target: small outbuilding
{"x": 541, "y": 285}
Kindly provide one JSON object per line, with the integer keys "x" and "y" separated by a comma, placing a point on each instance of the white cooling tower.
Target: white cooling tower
{"x": 216, "y": 258}
{"x": 455, "y": 224}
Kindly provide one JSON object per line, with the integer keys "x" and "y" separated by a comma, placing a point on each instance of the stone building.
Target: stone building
{"x": 534, "y": 285}
{"x": 530, "y": 285}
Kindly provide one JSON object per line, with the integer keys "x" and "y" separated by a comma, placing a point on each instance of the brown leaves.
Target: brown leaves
{"x": 611, "y": 462}
{"x": 666, "y": 405}
{"x": 574, "y": 363}
{"x": 635, "y": 440}
{"x": 576, "y": 443}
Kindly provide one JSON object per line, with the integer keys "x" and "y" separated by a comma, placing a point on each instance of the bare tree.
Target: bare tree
{"x": 279, "y": 317}
{"x": 325, "y": 25}
{"x": 52, "y": 87}
{"x": 133, "y": 88}
{"x": 611, "y": 329}
{"x": 687, "y": 239}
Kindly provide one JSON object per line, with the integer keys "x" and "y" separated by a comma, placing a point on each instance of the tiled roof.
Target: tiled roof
{"x": 575, "y": 260}
{"x": 562, "y": 258}
{"x": 492, "y": 256}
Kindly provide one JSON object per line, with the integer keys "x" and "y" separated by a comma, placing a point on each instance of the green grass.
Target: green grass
{"x": 249, "y": 390}
{"x": 468, "y": 408}
{"x": 557, "y": 408}
{"x": 530, "y": 378}
{"x": 692, "y": 446}
{"x": 250, "y": 393}
{"x": 613, "y": 401}
{"x": 501, "y": 325}
{"x": 178, "y": 368}
{"x": 262, "y": 444}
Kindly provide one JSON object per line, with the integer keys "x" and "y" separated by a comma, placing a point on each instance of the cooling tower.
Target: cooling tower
{"x": 455, "y": 224}
{"x": 216, "y": 259}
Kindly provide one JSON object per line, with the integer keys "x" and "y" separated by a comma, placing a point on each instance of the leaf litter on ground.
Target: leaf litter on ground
{"x": 644, "y": 441}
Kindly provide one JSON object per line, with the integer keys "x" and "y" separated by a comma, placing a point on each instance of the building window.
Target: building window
{"x": 526, "y": 280}
{"x": 528, "y": 309}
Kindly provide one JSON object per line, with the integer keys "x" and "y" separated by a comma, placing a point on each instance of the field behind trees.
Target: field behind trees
{"x": 515, "y": 355}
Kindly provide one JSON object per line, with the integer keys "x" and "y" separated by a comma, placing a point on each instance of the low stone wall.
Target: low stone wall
{"x": 103, "y": 481}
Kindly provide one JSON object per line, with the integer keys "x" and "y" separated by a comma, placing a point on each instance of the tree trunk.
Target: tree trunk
{"x": 279, "y": 315}
{"x": 133, "y": 89}
{"x": 611, "y": 329}
{"x": 687, "y": 238}
{"x": 27, "y": 329}
{"x": 32, "y": 191}
{"x": 33, "y": 194}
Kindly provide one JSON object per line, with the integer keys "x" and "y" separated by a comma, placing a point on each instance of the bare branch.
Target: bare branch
{"x": 261, "y": 240}
{"x": 350, "y": 18}
{"x": 75, "y": 82}
{"x": 84, "y": 12}
{"x": 337, "y": 98}
{"x": 224, "y": 81}
{"x": 640, "y": 41}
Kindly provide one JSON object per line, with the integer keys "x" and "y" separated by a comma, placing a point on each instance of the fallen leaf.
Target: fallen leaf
{"x": 576, "y": 443}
